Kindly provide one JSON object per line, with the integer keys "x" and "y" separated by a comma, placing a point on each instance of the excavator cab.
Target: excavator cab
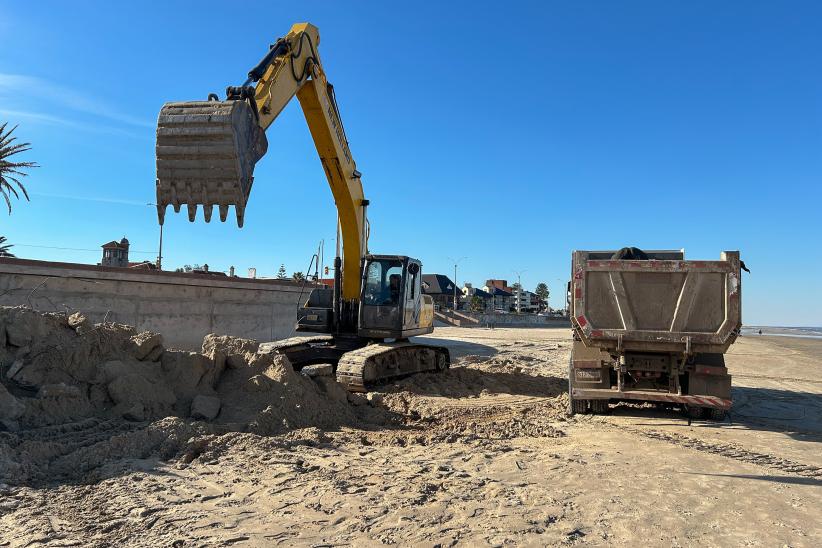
{"x": 391, "y": 305}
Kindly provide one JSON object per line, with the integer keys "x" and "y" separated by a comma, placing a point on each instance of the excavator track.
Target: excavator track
{"x": 374, "y": 363}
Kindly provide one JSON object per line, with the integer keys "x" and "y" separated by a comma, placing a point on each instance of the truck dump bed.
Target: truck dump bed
{"x": 664, "y": 304}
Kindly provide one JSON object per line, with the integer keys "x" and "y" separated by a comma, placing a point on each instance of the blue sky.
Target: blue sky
{"x": 509, "y": 133}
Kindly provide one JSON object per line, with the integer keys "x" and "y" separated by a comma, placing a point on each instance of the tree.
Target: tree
{"x": 542, "y": 291}
{"x": 10, "y": 171}
{"x": 476, "y": 304}
{"x": 281, "y": 275}
{"x": 298, "y": 277}
{"x": 4, "y": 248}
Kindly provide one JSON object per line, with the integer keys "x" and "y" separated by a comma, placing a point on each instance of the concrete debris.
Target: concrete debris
{"x": 62, "y": 373}
{"x": 148, "y": 346}
{"x": 10, "y": 409}
{"x": 136, "y": 412}
{"x": 80, "y": 323}
{"x": 318, "y": 370}
{"x": 205, "y": 407}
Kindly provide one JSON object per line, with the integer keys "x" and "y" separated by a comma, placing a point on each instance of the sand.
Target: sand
{"x": 480, "y": 455}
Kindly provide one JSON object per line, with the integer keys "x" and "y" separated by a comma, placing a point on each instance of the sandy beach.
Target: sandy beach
{"x": 482, "y": 455}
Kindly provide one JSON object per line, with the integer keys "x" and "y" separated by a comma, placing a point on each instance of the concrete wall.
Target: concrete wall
{"x": 470, "y": 319}
{"x": 183, "y": 307}
{"x": 522, "y": 320}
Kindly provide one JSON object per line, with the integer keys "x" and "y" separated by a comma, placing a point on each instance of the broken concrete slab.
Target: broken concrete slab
{"x": 205, "y": 407}
{"x": 146, "y": 345}
{"x": 11, "y": 408}
{"x": 80, "y": 323}
{"x": 318, "y": 370}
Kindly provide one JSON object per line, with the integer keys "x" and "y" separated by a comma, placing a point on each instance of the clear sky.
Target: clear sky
{"x": 509, "y": 133}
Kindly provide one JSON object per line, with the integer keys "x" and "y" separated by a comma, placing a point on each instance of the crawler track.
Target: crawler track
{"x": 381, "y": 361}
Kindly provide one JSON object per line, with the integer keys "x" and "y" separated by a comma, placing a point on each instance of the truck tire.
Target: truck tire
{"x": 717, "y": 414}
{"x": 694, "y": 411}
{"x": 575, "y": 406}
{"x": 599, "y": 407}
{"x": 579, "y": 406}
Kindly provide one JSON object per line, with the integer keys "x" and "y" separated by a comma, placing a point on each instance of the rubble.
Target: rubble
{"x": 205, "y": 407}
{"x": 60, "y": 371}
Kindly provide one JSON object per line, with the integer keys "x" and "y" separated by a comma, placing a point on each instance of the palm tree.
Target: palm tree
{"x": 9, "y": 171}
{"x": 4, "y": 248}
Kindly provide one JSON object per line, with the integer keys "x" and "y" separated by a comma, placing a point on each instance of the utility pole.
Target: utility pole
{"x": 160, "y": 252}
{"x": 456, "y": 262}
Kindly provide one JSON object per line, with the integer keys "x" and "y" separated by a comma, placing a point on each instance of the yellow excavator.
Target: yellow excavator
{"x": 206, "y": 152}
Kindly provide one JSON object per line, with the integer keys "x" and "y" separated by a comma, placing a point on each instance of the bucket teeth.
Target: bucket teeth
{"x": 240, "y": 211}
{"x": 161, "y": 213}
{"x": 206, "y": 153}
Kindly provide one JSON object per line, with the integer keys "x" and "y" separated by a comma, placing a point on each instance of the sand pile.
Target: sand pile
{"x": 75, "y": 395}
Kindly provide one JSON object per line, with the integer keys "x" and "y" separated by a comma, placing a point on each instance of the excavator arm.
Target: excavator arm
{"x": 206, "y": 150}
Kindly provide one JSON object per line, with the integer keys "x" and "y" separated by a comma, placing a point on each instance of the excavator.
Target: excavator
{"x": 206, "y": 152}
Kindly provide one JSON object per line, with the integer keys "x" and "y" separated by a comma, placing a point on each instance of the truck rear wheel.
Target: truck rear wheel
{"x": 578, "y": 406}
{"x": 717, "y": 414}
{"x": 694, "y": 411}
{"x": 599, "y": 407}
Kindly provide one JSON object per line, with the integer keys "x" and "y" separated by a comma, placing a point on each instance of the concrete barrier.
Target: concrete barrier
{"x": 471, "y": 319}
{"x": 183, "y": 307}
{"x": 522, "y": 320}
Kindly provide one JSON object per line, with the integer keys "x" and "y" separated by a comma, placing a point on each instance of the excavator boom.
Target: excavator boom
{"x": 207, "y": 150}
{"x": 206, "y": 154}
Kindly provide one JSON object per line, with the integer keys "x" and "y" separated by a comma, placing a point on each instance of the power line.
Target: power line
{"x": 77, "y": 248}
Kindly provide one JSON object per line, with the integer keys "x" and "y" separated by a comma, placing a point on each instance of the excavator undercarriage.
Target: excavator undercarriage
{"x": 360, "y": 364}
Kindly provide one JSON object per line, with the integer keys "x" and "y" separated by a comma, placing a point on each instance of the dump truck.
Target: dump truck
{"x": 650, "y": 326}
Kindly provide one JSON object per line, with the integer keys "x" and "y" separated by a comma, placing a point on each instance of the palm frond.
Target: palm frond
{"x": 10, "y": 171}
{"x": 5, "y": 196}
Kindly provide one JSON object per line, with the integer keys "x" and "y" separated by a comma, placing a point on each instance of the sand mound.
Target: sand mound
{"x": 75, "y": 395}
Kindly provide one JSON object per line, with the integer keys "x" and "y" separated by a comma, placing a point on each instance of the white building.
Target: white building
{"x": 524, "y": 300}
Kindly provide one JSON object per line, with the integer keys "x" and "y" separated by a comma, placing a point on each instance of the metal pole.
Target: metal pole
{"x": 456, "y": 261}
{"x": 455, "y": 286}
{"x": 160, "y": 256}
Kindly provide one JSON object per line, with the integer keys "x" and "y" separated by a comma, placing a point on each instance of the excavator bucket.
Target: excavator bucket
{"x": 206, "y": 152}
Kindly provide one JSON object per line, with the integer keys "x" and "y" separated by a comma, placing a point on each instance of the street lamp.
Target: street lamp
{"x": 160, "y": 253}
{"x": 456, "y": 262}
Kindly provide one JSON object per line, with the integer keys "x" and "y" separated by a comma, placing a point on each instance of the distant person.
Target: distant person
{"x": 760, "y": 331}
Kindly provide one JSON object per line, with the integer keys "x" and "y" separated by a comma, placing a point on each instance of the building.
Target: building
{"x": 115, "y": 253}
{"x": 502, "y": 300}
{"x": 441, "y": 289}
{"x": 470, "y": 294}
{"x": 524, "y": 300}
{"x": 501, "y": 284}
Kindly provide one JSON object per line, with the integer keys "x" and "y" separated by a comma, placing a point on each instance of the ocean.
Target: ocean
{"x": 804, "y": 332}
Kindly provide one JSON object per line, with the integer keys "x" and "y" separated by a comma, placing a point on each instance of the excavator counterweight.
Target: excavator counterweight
{"x": 206, "y": 152}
